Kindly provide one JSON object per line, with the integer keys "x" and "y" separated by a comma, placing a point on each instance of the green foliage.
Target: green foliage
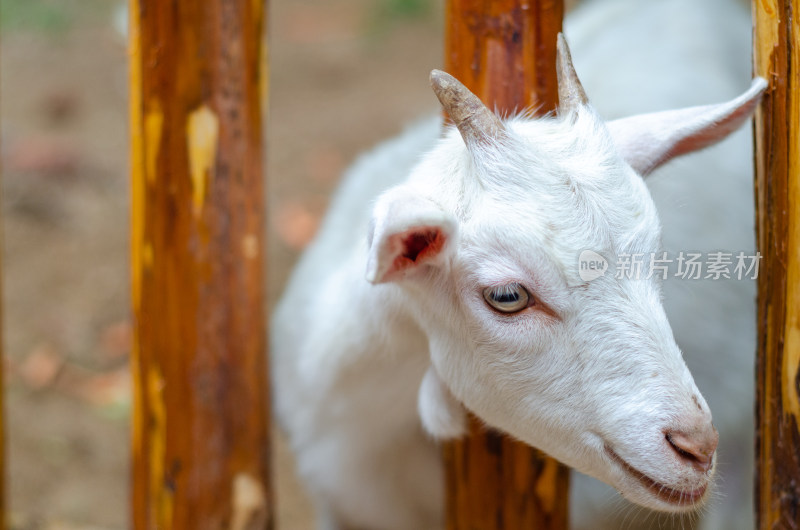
{"x": 406, "y": 8}
{"x": 47, "y": 16}
{"x": 388, "y": 13}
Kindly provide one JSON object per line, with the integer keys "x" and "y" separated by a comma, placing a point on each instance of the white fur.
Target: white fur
{"x": 439, "y": 411}
{"x": 686, "y": 53}
{"x": 356, "y": 364}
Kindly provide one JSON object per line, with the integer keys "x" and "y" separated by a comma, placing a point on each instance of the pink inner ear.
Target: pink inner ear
{"x": 414, "y": 247}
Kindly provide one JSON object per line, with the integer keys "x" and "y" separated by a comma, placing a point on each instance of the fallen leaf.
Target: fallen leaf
{"x": 325, "y": 163}
{"x": 42, "y": 154}
{"x": 60, "y": 106}
{"x": 295, "y": 224}
{"x": 116, "y": 340}
{"x": 104, "y": 389}
{"x": 41, "y": 367}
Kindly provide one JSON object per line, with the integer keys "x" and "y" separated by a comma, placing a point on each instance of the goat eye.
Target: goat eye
{"x": 508, "y": 298}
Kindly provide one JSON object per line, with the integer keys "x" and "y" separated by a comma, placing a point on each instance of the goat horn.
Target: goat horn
{"x": 570, "y": 91}
{"x": 474, "y": 120}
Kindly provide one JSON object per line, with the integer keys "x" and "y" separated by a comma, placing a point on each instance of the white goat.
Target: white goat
{"x": 473, "y": 298}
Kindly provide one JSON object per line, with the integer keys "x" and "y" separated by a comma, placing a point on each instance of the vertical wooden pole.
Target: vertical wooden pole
{"x": 200, "y": 428}
{"x": 504, "y": 51}
{"x": 3, "y": 447}
{"x": 777, "y": 141}
{"x": 3, "y": 490}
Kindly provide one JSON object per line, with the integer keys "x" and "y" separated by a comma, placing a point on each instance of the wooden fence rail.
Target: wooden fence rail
{"x": 777, "y": 141}
{"x": 504, "y": 51}
{"x": 200, "y": 428}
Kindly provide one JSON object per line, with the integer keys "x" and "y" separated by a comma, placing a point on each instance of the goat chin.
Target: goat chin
{"x": 645, "y": 491}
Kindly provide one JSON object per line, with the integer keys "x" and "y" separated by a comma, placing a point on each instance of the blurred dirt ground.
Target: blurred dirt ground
{"x": 344, "y": 74}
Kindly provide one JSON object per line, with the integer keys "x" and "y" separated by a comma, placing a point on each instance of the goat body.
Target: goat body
{"x": 446, "y": 276}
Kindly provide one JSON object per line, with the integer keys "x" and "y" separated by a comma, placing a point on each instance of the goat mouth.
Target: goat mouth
{"x": 661, "y": 491}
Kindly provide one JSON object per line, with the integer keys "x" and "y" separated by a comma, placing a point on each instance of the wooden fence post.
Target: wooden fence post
{"x": 504, "y": 51}
{"x": 3, "y": 446}
{"x": 200, "y": 426}
{"x": 777, "y": 142}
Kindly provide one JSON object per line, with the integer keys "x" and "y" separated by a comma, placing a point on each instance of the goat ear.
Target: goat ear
{"x": 443, "y": 417}
{"x": 648, "y": 140}
{"x": 408, "y": 232}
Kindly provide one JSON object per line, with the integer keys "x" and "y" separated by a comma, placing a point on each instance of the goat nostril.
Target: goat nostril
{"x": 697, "y": 449}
